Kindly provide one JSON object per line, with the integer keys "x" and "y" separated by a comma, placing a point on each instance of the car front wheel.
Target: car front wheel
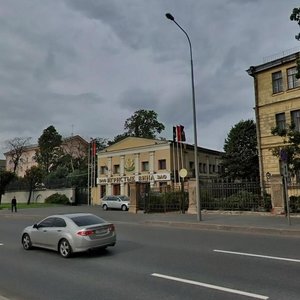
{"x": 105, "y": 207}
{"x": 64, "y": 248}
{"x": 124, "y": 207}
{"x": 26, "y": 242}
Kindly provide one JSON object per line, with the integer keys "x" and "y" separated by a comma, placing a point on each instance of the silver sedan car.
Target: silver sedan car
{"x": 70, "y": 233}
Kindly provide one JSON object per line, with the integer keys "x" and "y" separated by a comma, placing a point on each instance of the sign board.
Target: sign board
{"x": 183, "y": 173}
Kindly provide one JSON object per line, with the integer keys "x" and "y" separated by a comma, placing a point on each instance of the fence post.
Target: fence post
{"x": 277, "y": 194}
{"x": 134, "y": 194}
{"x": 192, "y": 197}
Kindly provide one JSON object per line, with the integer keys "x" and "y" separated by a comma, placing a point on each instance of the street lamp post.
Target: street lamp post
{"x": 170, "y": 17}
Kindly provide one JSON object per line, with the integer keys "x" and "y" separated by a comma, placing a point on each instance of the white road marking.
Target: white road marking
{"x": 257, "y": 255}
{"x": 1, "y": 244}
{"x": 211, "y": 286}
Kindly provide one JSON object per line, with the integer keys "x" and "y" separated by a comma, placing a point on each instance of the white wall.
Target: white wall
{"x": 37, "y": 196}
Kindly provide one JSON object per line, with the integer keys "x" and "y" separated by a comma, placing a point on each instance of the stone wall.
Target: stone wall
{"x": 38, "y": 196}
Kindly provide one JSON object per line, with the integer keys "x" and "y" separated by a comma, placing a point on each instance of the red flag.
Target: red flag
{"x": 178, "y": 131}
{"x": 93, "y": 148}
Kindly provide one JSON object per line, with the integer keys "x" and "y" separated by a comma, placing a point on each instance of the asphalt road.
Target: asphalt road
{"x": 153, "y": 262}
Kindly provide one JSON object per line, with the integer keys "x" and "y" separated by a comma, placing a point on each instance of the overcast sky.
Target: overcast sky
{"x": 85, "y": 66}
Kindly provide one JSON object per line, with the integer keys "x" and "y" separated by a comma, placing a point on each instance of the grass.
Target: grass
{"x": 25, "y": 205}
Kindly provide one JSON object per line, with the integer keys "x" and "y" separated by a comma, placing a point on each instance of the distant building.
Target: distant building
{"x": 277, "y": 103}
{"x": 74, "y": 145}
{"x": 152, "y": 163}
{"x": 2, "y": 164}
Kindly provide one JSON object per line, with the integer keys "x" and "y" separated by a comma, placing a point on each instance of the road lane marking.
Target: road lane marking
{"x": 1, "y": 244}
{"x": 211, "y": 286}
{"x": 258, "y": 255}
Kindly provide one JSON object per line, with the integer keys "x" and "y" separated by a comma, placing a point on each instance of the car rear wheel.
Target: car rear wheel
{"x": 26, "y": 242}
{"x": 124, "y": 207}
{"x": 64, "y": 248}
{"x": 105, "y": 207}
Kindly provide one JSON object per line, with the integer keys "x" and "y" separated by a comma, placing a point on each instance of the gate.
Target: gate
{"x": 81, "y": 195}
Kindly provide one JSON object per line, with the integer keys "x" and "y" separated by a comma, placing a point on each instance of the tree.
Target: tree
{"x": 295, "y": 16}
{"x": 16, "y": 147}
{"x": 143, "y": 123}
{"x": 50, "y": 150}
{"x": 290, "y": 146}
{"x": 33, "y": 177}
{"x": 240, "y": 160}
{"x": 5, "y": 178}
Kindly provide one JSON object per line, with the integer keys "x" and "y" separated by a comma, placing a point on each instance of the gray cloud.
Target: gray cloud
{"x": 87, "y": 66}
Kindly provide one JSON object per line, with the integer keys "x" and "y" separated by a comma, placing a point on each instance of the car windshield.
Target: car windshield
{"x": 87, "y": 220}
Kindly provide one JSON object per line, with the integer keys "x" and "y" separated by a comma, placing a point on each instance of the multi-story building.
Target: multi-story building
{"x": 277, "y": 104}
{"x": 153, "y": 163}
{"x": 76, "y": 146}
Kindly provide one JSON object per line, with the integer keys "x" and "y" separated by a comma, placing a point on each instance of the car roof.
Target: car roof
{"x": 70, "y": 215}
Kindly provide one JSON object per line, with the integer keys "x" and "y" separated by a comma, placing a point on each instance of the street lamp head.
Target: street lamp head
{"x": 170, "y": 17}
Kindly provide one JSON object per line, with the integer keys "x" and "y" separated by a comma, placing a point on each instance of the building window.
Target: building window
{"x": 103, "y": 170}
{"x": 116, "y": 169}
{"x": 162, "y": 164}
{"x": 145, "y": 166}
{"x": 292, "y": 80}
{"x": 280, "y": 121}
{"x": 295, "y": 115}
{"x": 277, "y": 82}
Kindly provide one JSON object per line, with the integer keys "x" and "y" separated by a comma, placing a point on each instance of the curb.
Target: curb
{"x": 232, "y": 228}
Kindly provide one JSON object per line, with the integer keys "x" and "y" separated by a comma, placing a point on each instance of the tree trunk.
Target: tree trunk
{"x": 30, "y": 192}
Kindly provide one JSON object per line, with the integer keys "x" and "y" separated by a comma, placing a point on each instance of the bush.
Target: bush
{"x": 57, "y": 199}
{"x": 295, "y": 204}
{"x": 243, "y": 200}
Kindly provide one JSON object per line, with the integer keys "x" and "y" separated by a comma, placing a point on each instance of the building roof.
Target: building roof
{"x": 274, "y": 63}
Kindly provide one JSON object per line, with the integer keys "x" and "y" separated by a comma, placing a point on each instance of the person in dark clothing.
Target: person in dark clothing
{"x": 14, "y": 204}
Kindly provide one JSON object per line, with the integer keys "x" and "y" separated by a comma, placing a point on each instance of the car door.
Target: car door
{"x": 40, "y": 233}
{"x": 55, "y": 232}
{"x": 111, "y": 202}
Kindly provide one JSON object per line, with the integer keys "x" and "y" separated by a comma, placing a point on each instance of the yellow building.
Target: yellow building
{"x": 277, "y": 103}
{"x": 153, "y": 163}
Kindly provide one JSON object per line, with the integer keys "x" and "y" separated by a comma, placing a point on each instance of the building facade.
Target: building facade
{"x": 75, "y": 146}
{"x": 277, "y": 104}
{"x": 153, "y": 163}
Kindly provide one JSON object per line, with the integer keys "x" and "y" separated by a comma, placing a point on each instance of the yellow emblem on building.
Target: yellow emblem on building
{"x": 129, "y": 165}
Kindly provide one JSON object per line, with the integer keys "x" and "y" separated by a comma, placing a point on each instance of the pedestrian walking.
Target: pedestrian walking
{"x": 14, "y": 204}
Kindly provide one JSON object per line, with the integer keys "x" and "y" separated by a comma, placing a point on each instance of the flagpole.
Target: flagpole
{"x": 88, "y": 166}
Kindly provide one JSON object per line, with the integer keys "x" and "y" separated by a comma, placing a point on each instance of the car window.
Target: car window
{"x": 124, "y": 198}
{"x": 111, "y": 199}
{"x": 87, "y": 220}
{"x": 59, "y": 222}
{"x": 47, "y": 222}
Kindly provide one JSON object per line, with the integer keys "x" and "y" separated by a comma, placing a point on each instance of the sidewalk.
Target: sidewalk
{"x": 263, "y": 223}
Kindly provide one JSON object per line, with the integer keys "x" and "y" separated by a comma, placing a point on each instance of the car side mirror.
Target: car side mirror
{"x": 36, "y": 226}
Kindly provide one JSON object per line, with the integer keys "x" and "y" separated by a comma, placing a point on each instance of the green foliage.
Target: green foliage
{"x": 240, "y": 160}
{"x": 143, "y": 123}
{"x": 5, "y": 178}
{"x": 57, "y": 199}
{"x": 50, "y": 150}
{"x": 33, "y": 177}
{"x": 168, "y": 201}
{"x": 295, "y": 16}
{"x": 290, "y": 145}
{"x": 79, "y": 178}
{"x": 295, "y": 204}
